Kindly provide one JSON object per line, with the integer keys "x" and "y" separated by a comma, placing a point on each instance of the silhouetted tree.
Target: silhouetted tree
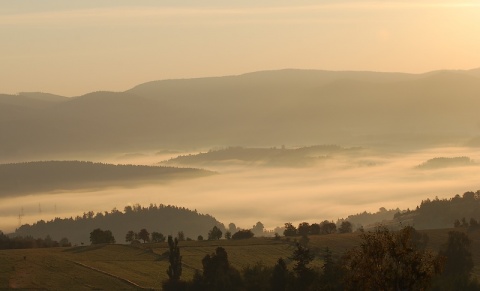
{"x": 217, "y": 274}
{"x": 130, "y": 236}
{"x": 290, "y": 230}
{"x": 304, "y": 275}
{"x": 345, "y": 227}
{"x": 389, "y": 260}
{"x": 228, "y": 235}
{"x": 158, "y": 237}
{"x": 243, "y": 234}
{"x": 200, "y": 237}
{"x": 98, "y": 236}
{"x": 303, "y": 229}
{"x": 175, "y": 268}
{"x": 280, "y": 276}
{"x": 215, "y": 233}
{"x": 328, "y": 227}
{"x": 331, "y": 277}
{"x": 144, "y": 235}
{"x": 458, "y": 264}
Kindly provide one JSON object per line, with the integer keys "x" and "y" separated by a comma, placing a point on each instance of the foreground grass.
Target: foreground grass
{"x": 133, "y": 267}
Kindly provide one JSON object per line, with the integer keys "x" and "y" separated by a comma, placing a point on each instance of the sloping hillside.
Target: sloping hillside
{"x": 37, "y": 177}
{"x": 166, "y": 219}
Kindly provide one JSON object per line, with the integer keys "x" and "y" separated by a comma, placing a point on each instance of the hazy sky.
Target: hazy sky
{"x": 74, "y": 47}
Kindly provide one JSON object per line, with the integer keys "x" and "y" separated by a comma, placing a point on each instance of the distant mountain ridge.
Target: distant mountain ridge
{"x": 255, "y": 109}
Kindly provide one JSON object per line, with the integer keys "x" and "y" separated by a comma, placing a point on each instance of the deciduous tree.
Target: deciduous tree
{"x": 389, "y": 260}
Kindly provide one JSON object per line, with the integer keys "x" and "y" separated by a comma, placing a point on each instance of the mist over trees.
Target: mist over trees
{"x": 442, "y": 213}
{"x": 296, "y": 157}
{"x": 443, "y": 162}
{"x": 164, "y": 219}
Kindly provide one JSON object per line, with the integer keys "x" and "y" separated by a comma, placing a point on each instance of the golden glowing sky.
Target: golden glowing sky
{"x": 74, "y": 47}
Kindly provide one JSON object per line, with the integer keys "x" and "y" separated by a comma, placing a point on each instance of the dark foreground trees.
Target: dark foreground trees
{"x": 174, "y": 270}
{"x": 458, "y": 264}
{"x": 217, "y": 273}
{"x": 385, "y": 260}
{"x": 389, "y": 260}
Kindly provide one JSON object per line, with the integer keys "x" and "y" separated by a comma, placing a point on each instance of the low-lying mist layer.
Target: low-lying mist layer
{"x": 335, "y": 188}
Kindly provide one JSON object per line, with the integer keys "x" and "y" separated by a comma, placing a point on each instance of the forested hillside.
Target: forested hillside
{"x": 34, "y": 177}
{"x": 303, "y": 156}
{"x": 166, "y": 219}
{"x": 443, "y": 162}
{"x": 442, "y": 213}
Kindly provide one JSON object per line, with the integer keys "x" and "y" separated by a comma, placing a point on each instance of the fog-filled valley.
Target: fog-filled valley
{"x": 334, "y": 183}
{"x": 273, "y": 146}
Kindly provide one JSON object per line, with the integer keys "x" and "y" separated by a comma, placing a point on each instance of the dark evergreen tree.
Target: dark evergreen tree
{"x": 217, "y": 274}
{"x": 345, "y": 227}
{"x": 304, "y": 275}
{"x": 458, "y": 265}
{"x": 280, "y": 276}
{"x": 175, "y": 260}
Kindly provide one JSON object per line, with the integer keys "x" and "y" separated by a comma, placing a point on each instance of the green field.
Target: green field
{"x": 120, "y": 267}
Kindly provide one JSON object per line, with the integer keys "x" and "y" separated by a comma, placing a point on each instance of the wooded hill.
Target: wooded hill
{"x": 440, "y": 213}
{"x": 297, "y": 157}
{"x": 256, "y": 109}
{"x": 166, "y": 219}
{"x": 35, "y": 177}
{"x": 443, "y": 162}
{"x": 430, "y": 214}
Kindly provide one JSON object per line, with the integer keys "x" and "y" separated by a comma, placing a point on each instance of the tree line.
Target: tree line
{"x": 99, "y": 236}
{"x": 28, "y": 242}
{"x": 442, "y": 213}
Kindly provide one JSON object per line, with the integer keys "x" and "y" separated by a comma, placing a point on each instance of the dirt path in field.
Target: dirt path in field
{"x": 112, "y": 275}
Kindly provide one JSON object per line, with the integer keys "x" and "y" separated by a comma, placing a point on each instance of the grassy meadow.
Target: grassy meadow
{"x": 143, "y": 266}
